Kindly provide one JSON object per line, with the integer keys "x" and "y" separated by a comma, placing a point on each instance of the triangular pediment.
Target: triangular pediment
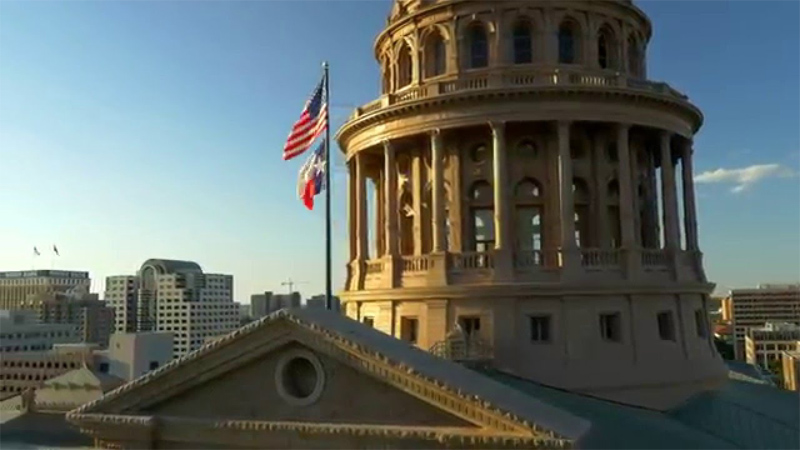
{"x": 321, "y": 369}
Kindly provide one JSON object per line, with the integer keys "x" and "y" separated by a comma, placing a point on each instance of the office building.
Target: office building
{"x": 17, "y": 287}
{"x": 174, "y": 296}
{"x": 318, "y": 301}
{"x": 753, "y": 308}
{"x": 93, "y": 319}
{"x": 765, "y": 345}
{"x": 268, "y": 302}
{"x": 21, "y": 331}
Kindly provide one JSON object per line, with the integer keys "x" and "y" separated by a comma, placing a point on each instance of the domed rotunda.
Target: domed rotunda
{"x": 521, "y": 181}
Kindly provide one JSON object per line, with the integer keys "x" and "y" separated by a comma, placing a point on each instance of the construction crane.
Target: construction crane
{"x": 291, "y": 284}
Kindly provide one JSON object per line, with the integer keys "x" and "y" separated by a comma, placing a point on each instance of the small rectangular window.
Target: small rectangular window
{"x": 611, "y": 327}
{"x": 153, "y": 365}
{"x": 666, "y": 326}
{"x": 409, "y": 327}
{"x": 368, "y": 321}
{"x": 540, "y": 328}
{"x": 700, "y": 322}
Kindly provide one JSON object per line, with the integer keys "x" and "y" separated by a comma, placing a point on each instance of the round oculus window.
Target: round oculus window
{"x": 300, "y": 378}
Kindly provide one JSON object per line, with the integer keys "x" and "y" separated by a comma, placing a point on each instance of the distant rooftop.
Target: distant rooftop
{"x": 45, "y": 273}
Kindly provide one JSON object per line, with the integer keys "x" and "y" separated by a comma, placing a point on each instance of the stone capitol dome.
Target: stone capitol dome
{"x": 525, "y": 177}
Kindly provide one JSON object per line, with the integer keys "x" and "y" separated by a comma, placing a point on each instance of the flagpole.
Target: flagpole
{"x": 328, "y": 168}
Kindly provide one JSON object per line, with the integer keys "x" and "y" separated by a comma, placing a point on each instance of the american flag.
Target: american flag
{"x": 313, "y": 121}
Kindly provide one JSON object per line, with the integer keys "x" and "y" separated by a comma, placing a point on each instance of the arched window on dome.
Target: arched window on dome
{"x": 478, "y": 42}
{"x": 580, "y": 198}
{"x": 568, "y": 42}
{"x": 614, "y": 223}
{"x": 405, "y": 66}
{"x": 606, "y": 48}
{"x": 529, "y": 215}
{"x": 634, "y": 56}
{"x": 482, "y": 215}
{"x": 523, "y": 42}
{"x": 435, "y": 55}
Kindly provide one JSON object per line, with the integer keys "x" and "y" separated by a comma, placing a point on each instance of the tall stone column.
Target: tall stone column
{"x": 438, "y": 194}
{"x": 352, "y": 224}
{"x": 390, "y": 215}
{"x": 672, "y": 238}
{"x": 358, "y": 226}
{"x": 417, "y": 192}
{"x": 502, "y": 229}
{"x": 626, "y": 196}
{"x": 689, "y": 207}
{"x": 566, "y": 202}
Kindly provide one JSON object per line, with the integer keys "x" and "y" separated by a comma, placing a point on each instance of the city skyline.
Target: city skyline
{"x": 163, "y": 138}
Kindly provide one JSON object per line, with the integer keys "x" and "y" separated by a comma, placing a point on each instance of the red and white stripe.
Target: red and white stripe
{"x": 304, "y": 132}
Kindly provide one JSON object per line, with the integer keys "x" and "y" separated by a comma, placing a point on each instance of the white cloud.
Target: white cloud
{"x": 744, "y": 178}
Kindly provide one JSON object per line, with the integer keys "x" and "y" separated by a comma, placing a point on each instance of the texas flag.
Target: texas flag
{"x": 311, "y": 180}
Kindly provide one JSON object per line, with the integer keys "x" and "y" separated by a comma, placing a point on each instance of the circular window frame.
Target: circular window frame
{"x": 280, "y": 374}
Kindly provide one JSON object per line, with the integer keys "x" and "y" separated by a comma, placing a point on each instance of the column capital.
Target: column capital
{"x": 436, "y": 132}
{"x": 623, "y": 126}
{"x": 563, "y": 124}
{"x": 665, "y": 135}
{"x": 387, "y": 145}
{"x": 497, "y": 126}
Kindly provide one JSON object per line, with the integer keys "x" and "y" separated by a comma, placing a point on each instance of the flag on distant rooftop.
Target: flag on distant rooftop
{"x": 55, "y": 250}
{"x": 311, "y": 179}
{"x": 36, "y": 251}
{"x": 313, "y": 121}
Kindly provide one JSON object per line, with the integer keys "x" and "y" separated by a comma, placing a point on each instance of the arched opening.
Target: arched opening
{"x": 527, "y": 149}
{"x": 580, "y": 198}
{"x": 606, "y": 48}
{"x": 523, "y": 42}
{"x": 613, "y": 218}
{"x": 634, "y": 56}
{"x": 529, "y": 206}
{"x": 435, "y": 55}
{"x": 482, "y": 215}
{"x": 478, "y": 46}
{"x": 405, "y": 66}
{"x": 568, "y": 42}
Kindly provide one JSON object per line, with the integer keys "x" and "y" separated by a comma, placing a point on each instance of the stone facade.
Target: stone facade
{"x": 520, "y": 158}
{"x": 287, "y": 380}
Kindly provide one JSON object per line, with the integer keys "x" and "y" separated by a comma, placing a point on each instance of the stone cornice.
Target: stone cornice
{"x": 170, "y": 379}
{"x": 516, "y": 290}
{"x": 631, "y": 97}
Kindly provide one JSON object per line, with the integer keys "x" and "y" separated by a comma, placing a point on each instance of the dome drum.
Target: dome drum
{"x": 472, "y": 241}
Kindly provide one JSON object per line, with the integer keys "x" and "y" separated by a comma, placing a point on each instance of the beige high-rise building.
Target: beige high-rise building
{"x": 17, "y": 287}
{"x": 175, "y": 296}
{"x": 753, "y": 308}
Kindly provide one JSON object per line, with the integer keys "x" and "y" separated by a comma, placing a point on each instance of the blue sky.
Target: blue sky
{"x": 131, "y": 130}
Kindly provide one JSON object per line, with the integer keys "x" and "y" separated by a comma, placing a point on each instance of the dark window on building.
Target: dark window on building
{"x": 700, "y": 323}
{"x": 540, "y": 328}
{"x": 523, "y": 44}
{"x": 368, "y": 321}
{"x": 666, "y": 326}
{"x": 566, "y": 43}
{"x": 103, "y": 367}
{"x": 409, "y": 327}
{"x": 611, "y": 327}
{"x": 470, "y": 325}
{"x": 478, "y": 47}
{"x": 153, "y": 365}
